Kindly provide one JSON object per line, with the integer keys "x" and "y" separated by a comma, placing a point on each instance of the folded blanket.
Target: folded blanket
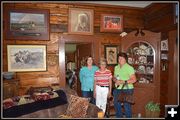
{"x": 16, "y": 111}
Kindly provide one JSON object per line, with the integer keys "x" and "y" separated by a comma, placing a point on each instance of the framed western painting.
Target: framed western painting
{"x": 111, "y": 52}
{"x": 22, "y": 58}
{"x": 27, "y": 24}
{"x": 81, "y": 21}
{"x": 111, "y": 23}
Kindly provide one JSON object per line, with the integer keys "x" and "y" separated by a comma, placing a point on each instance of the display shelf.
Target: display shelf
{"x": 141, "y": 57}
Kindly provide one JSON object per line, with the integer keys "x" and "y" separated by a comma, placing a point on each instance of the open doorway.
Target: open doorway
{"x": 75, "y": 54}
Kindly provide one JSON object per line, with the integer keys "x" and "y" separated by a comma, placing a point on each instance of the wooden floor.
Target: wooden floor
{"x": 112, "y": 113}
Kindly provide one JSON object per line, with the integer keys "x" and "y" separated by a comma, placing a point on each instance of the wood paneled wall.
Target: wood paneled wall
{"x": 133, "y": 18}
{"x": 159, "y": 17}
{"x": 149, "y": 18}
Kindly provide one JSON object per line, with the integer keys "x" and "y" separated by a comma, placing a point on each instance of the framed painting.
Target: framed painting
{"x": 27, "y": 24}
{"x": 22, "y": 58}
{"x": 111, "y": 23}
{"x": 81, "y": 21}
{"x": 111, "y": 52}
{"x": 164, "y": 45}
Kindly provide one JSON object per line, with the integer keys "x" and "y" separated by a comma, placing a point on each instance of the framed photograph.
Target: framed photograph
{"x": 111, "y": 52}
{"x": 111, "y": 23}
{"x": 164, "y": 45}
{"x": 22, "y": 58}
{"x": 81, "y": 21}
{"x": 27, "y": 24}
{"x": 164, "y": 56}
{"x": 164, "y": 66}
{"x": 176, "y": 13}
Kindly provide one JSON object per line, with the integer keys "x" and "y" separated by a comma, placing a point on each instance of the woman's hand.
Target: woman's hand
{"x": 114, "y": 79}
{"x": 94, "y": 94}
{"x": 109, "y": 94}
{"x": 118, "y": 82}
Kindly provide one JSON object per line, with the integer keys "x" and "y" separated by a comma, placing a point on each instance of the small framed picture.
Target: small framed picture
{"x": 164, "y": 56}
{"x": 81, "y": 21}
{"x": 176, "y": 6}
{"x": 164, "y": 66}
{"x": 111, "y": 23}
{"x": 111, "y": 52}
{"x": 164, "y": 45}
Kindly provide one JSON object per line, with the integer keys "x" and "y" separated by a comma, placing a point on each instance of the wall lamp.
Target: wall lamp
{"x": 139, "y": 31}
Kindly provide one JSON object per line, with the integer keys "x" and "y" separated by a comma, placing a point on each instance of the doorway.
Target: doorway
{"x": 75, "y": 54}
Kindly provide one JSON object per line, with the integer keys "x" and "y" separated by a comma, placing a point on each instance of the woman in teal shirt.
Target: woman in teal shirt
{"x": 87, "y": 79}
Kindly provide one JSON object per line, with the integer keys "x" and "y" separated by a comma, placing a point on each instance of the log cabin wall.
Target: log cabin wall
{"x": 160, "y": 18}
{"x": 133, "y": 18}
{"x": 155, "y": 17}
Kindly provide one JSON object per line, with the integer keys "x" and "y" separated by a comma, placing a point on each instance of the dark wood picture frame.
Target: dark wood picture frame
{"x": 74, "y": 22}
{"x": 27, "y": 24}
{"x": 111, "y": 23}
{"x": 23, "y": 58}
{"x": 110, "y": 52}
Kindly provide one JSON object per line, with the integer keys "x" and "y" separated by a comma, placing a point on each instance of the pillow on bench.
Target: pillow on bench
{"x": 15, "y": 110}
{"x": 33, "y": 90}
{"x": 77, "y": 107}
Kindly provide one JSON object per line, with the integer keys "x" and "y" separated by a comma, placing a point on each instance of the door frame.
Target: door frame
{"x": 93, "y": 40}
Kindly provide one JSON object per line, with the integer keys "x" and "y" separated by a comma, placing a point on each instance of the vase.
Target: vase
{"x": 152, "y": 114}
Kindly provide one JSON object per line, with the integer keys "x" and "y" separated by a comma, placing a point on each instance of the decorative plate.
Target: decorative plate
{"x": 148, "y": 70}
{"x": 130, "y": 60}
{"x": 142, "y": 59}
{"x": 141, "y": 69}
{"x": 143, "y": 47}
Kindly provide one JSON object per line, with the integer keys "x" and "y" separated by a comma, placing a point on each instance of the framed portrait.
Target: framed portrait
{"x": 164, "y": 56}
{"x": 27, "y": 24}
{"x": 111, "y": 52}
{"x": 81, "y": 21}
{"x": 164, "y": 45}
{"x": 22, "y": 58}
{"x": 111, "y": 23}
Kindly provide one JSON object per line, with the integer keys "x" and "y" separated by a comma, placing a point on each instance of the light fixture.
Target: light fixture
{"x": 136, "y": 34}
{"x": 142, "y": 33}
{"x": 139, "y": 31}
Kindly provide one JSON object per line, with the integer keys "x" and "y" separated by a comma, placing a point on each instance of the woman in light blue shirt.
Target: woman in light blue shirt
{"x": 87, "y": 79}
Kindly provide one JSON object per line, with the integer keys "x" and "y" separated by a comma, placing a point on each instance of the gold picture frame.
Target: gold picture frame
{"x": 111, "y": 23}
{"x": 23, "y": 58}
{"x": 81, "y": 21}
{"x": 111, "y": 52}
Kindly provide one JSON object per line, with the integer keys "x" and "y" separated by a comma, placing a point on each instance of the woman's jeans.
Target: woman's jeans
{"x": 89, "y": 94}
{"x": 117, "y": 105}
